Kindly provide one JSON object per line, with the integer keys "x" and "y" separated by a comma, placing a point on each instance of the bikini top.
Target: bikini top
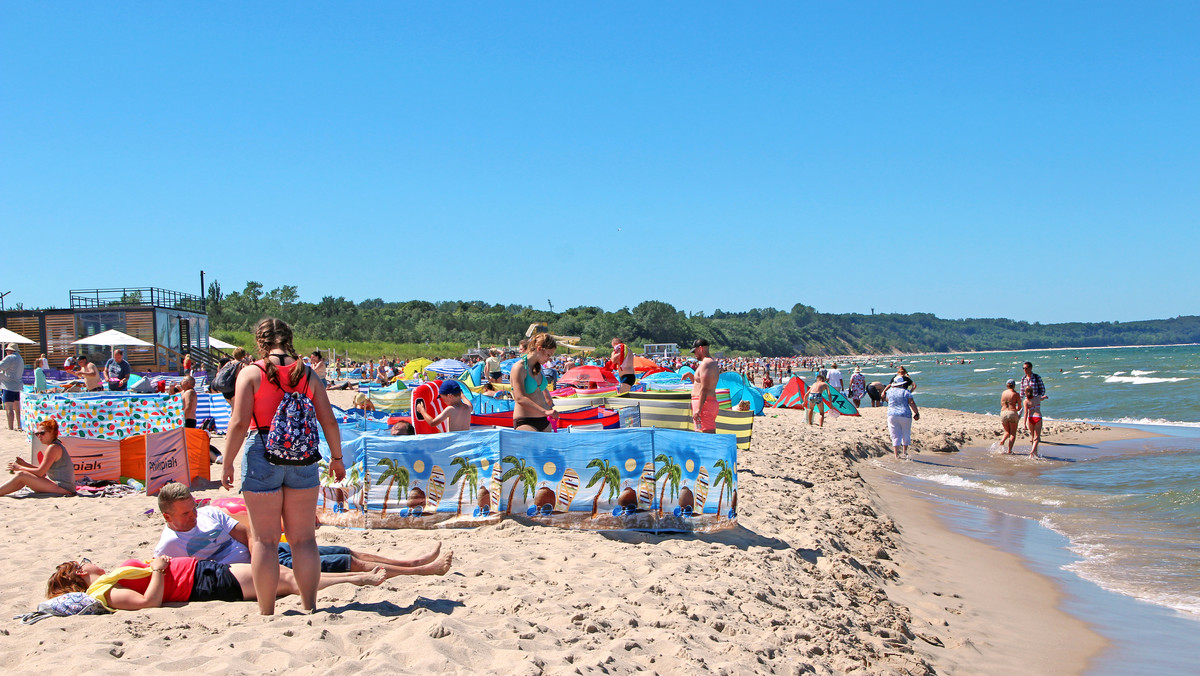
{"x": 531, "y": 384}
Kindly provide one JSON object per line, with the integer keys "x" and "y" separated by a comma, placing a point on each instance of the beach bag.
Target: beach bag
{"x": 225, "y": 382}
{"x": 293, "y": 439}
{"x": 65, "y": 605}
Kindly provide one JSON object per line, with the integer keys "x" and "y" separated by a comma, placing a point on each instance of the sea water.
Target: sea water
{"x": 1117, "y": 523}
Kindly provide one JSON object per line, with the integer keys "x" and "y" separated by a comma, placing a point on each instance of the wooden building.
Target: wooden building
{"x": 173, "y": 322}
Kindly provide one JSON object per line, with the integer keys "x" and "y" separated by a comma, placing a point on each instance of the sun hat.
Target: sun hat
{"x": 898, "y": 380}
{"x": 10, "y": 348}
{"x": 450, "y": 387}
{"x": 858, "y": 369}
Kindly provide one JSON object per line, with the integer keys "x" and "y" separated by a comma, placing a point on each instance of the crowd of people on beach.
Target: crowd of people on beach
{"x": 204, "y": 554}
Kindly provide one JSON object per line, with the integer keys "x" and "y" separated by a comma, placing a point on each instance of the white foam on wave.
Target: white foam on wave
{"x": 959, "y": 482}
{"x": 982, "y": 370}
{"x": 1135, "y": 372}
{"x": 1141, "y": 421}
{"x": 1118, "y": 373}
{"x": 1084, "y": 375}
{"x": 1140, "y": 380}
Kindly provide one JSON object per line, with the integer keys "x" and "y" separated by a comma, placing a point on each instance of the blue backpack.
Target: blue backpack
{"x": 293, "y": 439}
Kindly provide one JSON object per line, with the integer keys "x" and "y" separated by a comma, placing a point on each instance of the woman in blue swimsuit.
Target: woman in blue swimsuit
{"x": 534, "y": 407}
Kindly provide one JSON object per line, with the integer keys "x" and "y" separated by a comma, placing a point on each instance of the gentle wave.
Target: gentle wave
{"x": 982, "y": 370}
{"x": 1135, "y": 372}
{"x": 1140, "y": 380}
{"x": 1140, "y": 421}
{"x": 1092, "y": 567}
{"x": 959, "y": 482}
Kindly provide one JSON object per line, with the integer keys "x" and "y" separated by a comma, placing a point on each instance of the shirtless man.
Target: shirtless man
{"x": 457, "y": 411}
{"x": 623, "y": 362}
{"x": 187, "y": 392}
{"x": 815, "y": 400}
{"x": 90, "y": 374}
{"x": 704, "y": 389}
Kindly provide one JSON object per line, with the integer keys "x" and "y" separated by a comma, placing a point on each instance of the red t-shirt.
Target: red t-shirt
{"x": 180, "y": 576}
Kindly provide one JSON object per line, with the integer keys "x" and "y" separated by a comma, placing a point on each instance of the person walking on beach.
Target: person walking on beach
{"x": 901, "y": 411}
{"x": 1031, "y": 379}
{"x": 858, "y": 386}
{"x": 1010, "y": 414}
{"x": 1033, "y": 418}
{"x": 704, "y": 388}
{"x": 279, "y": 492}
{"x": 12, "y": 369}
{"x": 834, "y": 377}
{"x": 492, "y": 366}
{"x": 816, "y": 400}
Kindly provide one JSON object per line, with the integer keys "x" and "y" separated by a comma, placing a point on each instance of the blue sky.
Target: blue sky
{"x": 1038, "y": 161}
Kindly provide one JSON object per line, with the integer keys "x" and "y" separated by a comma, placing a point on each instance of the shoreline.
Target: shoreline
{"x": 813, "y": 577}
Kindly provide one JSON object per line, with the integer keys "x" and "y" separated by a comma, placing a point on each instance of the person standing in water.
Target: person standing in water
{"x": 1033, "y": 418}
{"x": 1010, "y": 414}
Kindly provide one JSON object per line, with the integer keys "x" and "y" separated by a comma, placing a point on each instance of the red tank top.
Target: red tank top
{"x": 178, "y": 579}
{"x": 268, "y": 396}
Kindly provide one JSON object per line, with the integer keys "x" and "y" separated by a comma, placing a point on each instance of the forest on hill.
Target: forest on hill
{"x": 756, "y": 332}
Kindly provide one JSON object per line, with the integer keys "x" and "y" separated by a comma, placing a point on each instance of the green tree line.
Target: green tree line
{"x": 757, "y": 332}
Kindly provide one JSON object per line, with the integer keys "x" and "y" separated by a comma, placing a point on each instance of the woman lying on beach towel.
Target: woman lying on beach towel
{"x": 183, "y": 579}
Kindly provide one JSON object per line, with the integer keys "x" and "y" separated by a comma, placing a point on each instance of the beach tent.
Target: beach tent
{"x": 507, "y": 364}
{"x": 687, "y": 373}
{"x": 792, "y": 394}
{"x": 473, "y": 376}
{"x": 739, "y": 390}
{"x": 448, "y": 368}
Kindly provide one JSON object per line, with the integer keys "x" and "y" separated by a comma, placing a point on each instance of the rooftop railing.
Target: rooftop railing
{"x": 88, "y": 299}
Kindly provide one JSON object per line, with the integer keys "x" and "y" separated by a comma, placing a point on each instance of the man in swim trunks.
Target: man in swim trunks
{"x": 622, "y": 360}
{"x": 815, "y": 402}
{"x": 187, "y": 392}
{"x": 704, "y": 388}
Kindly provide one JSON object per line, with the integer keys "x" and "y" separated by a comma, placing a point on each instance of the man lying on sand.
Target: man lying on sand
{"x": 178, "y": 580}
{"x": 211, "y": 534}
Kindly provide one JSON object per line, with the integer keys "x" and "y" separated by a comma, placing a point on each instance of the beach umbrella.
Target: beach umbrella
{"x": 219, "y": 344}
{"x": 641, "y": 364}
{"x": 112, "y": 338}
{"x": 415, "y": 366}
{"x": 7, "y": 336}
{"x": 450, "y": 368}
{"x": 581, "y": 377}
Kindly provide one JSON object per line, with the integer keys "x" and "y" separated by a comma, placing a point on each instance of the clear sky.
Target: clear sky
{"x": 1038, "y": 161}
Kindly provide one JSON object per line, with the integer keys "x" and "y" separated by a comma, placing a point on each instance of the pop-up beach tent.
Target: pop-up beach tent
{"x": 792, "y": 395}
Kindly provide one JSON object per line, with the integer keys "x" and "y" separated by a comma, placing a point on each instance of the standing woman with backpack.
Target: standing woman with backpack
{"x": 278, "y": 481}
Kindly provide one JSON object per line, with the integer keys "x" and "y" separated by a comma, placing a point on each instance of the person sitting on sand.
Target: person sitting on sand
{"x": 1010, "y": 414}
{"x": 363, "y": 401}
{"x": 210, "y": 533}
{"x": 181, "y": 579}
{"x": 816, "y": 400}
{"x": 55, "y": 475}
{"x": 1033, "y": 418}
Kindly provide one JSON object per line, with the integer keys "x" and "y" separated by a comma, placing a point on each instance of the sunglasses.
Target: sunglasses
{"x": 40, "y": 433}
{"x": 83, "y": 562}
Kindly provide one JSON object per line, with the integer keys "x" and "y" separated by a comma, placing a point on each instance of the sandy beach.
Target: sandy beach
{"x": 830, "y": 571}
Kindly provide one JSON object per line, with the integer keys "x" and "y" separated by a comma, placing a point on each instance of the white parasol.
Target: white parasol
{"x": 112, "y": 338}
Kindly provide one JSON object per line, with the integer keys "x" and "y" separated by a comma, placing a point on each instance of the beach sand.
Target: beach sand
{"x": 828, "y": 572}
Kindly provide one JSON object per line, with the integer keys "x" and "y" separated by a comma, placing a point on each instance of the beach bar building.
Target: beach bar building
{"x": 171, "y": 321}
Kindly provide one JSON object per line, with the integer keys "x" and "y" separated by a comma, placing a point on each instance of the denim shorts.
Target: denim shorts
{"x": 334, "y": 559}
{"x": 10, "y": 397}
{"x": 260, "y": 476}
